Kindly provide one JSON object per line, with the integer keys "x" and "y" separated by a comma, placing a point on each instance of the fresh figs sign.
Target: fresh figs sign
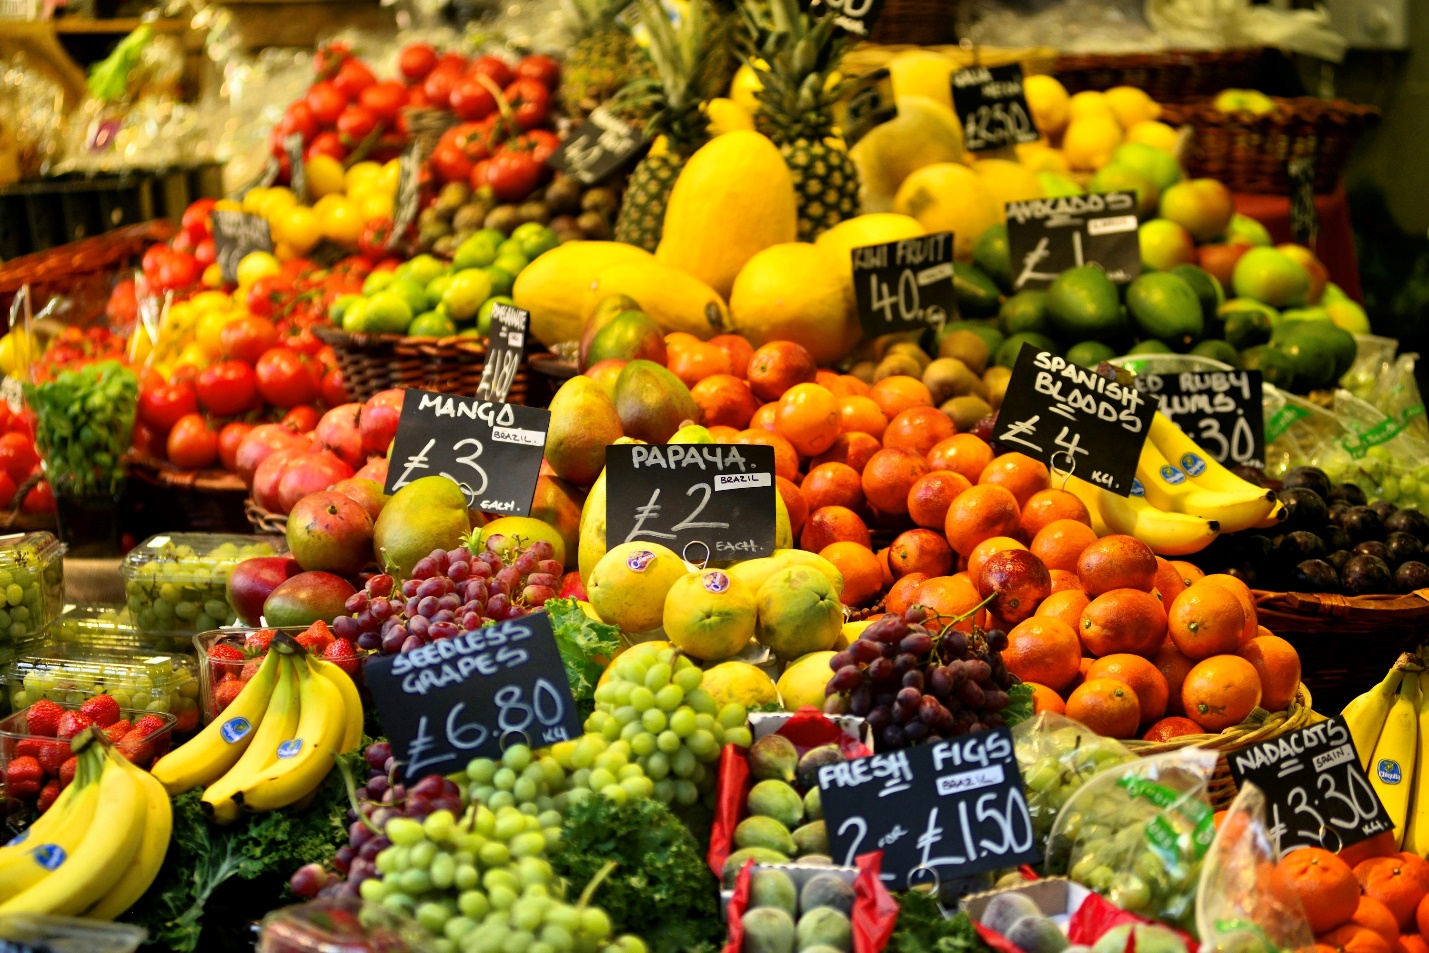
{"x": 474, "y": 696}
{"x": 703, "y": 501}
{"x": 493, "y": 451}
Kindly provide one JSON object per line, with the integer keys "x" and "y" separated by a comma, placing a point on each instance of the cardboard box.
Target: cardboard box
{"x": 766, "y": 723}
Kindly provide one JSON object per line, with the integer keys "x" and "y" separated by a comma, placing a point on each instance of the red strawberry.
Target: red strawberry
{"x": 29, "y": 747}
{"x": 52, "y": 755}
{"x": 250, "y": 668}
{"x": 136, "y": 749}
{"x": 71, "y": 724}
{"x": 43, "y": 718}
{"x": 67, "y": 771}
{"x": 318, "y": 634}
{"x": 116, "y": 731}
{"x": 103, "y": 709}
{"x": 224, "y": 659}
{"x": 225, "y": 693}
{"x": 313, "y": 643}
{"x": 48, "y": 793}
{"x": 343, "y": 654}
{"x": 187, "y": 719}
{"x": 23, "y": 777}
{"x": 257, "y": 642}
{"x": 147, "y": 725}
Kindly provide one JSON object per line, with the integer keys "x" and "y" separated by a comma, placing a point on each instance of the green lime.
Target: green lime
{"x": 1025, "y": 311}
{"x": 991, "y": 254}
{"x": 421, "y": 269}
{"x": 338, "y": 310}
{"x": 354, "y": 317}
{"x": 1007, "y": 353}
{"x": 1150, "y": 346}
{"x": 1218, "y": 351}
{"x": 412, "y": 292}
{"x": 436, "y": 288}
{"x": 387, "y": 313}
{"x": 1083, "y": 305}
{"x": 466, "y": 292}
{"x": 431, "y": 325}
{"x": 377, "y": 281}
{"x": 510, "y": 263}
{"x": 495, "y": 235}
{"x": 483, "y": 317}
{"x": 535, "y": 239}
{"x": 1089, "y": 353}
{"x": 1276, "y": 368}
{"x": 501, "y": 281}
{"x": 478, "y": 251}
{"x": 471, "y": 332}
{"x": 510, "y": 247}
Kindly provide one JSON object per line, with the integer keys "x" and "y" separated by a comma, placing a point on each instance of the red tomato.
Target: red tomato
{"x": 246, "y": 339}
{"x": 283, "y": 380}
{"x": 196, "y": 218}
{"x": 183, "y": 242}
{"x": 264, "y": 296}
{"x": 330, "y": 56}
{"x": 416, "y": 60}
{"x": 299, "y": 118}
{"x": 449, "y": 163}
{"x": 356, "y": 123}
{"x": 334, "y": 389}
{"x": 146, "y": 441}
{"x": 184, "y": 374}
{"x": 302, "y": 419}
{"x": 304, "y": 342}
{"x": 417, "y": 97}
{"x": 17, "y": 456}
{"x": 192, "y": 444}
{"x": 453, "y": 61}
{"x": 512, "y": 175}
{"x": 493, "y": 66}
{"x": 178, "y": 270}
{"x": 161, "y": 407}
{"x": 7, "y": 490}
{"x": 543, "y": 69}
{"x": 541, "y": 142}
{"x": 438, "y": 86}
{"x": 373, "y": 240}
{"x": 326, "y": 102}
{"x": 227, "y": 388}
{"x": 531, "y": 101}
{"x": 385, "y": 99}
{"x": 206, "y": 252}
{"x": 327, "y": 144}
{"x": 6, "y": 415}
{"x": 471, "y": 100}
{"x": 229, "y": 438}
{"x": 40, "y": 499}
{"x": 154, "y": 256}
{"x": 353, "y": 77}
{"x": 23, "y": 423}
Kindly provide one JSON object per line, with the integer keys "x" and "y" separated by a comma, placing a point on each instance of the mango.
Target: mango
{"x": 557, "y": 503}
{"x": 709, "y": 615}
{"x": 583, "y": 423}
{"x": 424, "y": 515}
{"x": 331, "y": 532}
{"x": 652, "y": 403}
{"x": 605, "y": 311}
{"x": 1271, "y": 277}
{"x": 1201, "y": 206}
{"x": 306, "y": 598}
{"x": 629, "y": 336}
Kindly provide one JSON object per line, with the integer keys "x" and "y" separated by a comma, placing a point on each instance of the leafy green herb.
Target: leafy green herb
{"x": 586, "y": 647}
{"x": 84, "y": 419}
{"x": 661, "y": 889}
{"x": 922, "y": 928}
{"x": 1019, "y": 704}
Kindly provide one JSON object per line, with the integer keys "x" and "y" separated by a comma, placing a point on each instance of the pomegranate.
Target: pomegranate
{"x": 337, "y": 431}
{"x": 309, "y": 473}
{"x": 259, "y": 443}
{"x": 378, "y": 421}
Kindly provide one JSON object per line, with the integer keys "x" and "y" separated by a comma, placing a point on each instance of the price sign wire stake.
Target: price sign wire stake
{"x": 685, "y": 553}
{"x": 1070, "y": 473}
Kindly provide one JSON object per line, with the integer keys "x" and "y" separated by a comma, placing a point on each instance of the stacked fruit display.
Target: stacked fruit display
{"x": 71, "y": 674}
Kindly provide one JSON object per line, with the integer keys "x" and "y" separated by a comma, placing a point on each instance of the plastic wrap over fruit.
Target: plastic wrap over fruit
{"x": 1137, "y": 834}
{"x": 341, "y": 926}
{"x": 1057, "y": 756}
{"x": 1244, "y": 905}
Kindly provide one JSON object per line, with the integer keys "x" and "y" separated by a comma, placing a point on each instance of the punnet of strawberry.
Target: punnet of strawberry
{"x": 228, "y": 659}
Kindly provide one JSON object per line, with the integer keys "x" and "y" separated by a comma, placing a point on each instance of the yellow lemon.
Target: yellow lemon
{"x": 949, "y": 197}
{"x": 390, "y": 175}
{"x": 211, "y": 300}
{"x": 301, "y": 229}
{"x": 361, "y": 176}
{"x": 1039, "y": 156}
{"x": 804, "y": 680}
{"x": 1089, "y": 103}
{"x": 253, "y": 200}
{"x": 325, "y": 176}
{"x": 1008, "y": 181}
{"x": 1155, "y": 134}
{"x": 1131, "y": 105}
{"x": 279, "y": 199}
{"x": 194, "y": 355}
{"x": 341, "y": 220}
{"x": 210, "y": 326}
{"x": 923, "y": 73}
{"x": 726, "y": 115}
{"x": 1090, "y": 142}
{"x": 745, "y": 84}
{"x": 212, "y": 276}
{"x": 1048, "y": 101}
{"x": 740, "y": 682}
{"x": 375, "y": 204}
{"x": 255, "y": 265}
{"x": 227, "y": 205}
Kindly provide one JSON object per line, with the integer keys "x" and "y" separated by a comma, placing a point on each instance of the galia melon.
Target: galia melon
{"x": 553, "y": 287}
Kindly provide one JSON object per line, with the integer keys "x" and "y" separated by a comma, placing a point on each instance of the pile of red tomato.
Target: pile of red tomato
{"x": 19, "y": 460}
{"x": 348, "y": 108}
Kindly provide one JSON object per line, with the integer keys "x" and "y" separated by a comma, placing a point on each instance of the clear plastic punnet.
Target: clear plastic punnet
{"x": 174, "y": 584}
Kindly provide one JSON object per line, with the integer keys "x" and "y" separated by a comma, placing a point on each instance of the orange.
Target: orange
{"x": 725, "y": 401}
{"x": 1107, "y": 706}
{"x": 985, "y": 549}
{"x": 1019, "y": 473}
{"x": 859, "y": 414}
{"x": 1411, "y": 943}
{"x": 1380, "y": 845}
{"x": 1398, "y": 882}
{"x": 1044, "y": 650}
{"x": 1060, "y": 543}
{"x": 1143, "y": 677}
{"x": 1421, "y": 912}
{"x": 778, "y": 366}
{"x": 882, "y": 555}
{"x": 900, "y": 594}
{"x": 1243, "y": 593}
{"x": 1168, "y": 728}
{"x": 1123, "y": 621}
{"x": 786, "y": 458}
{"x": 1049, "y": 506}
{"x": 1373, "y": 915}
{"x": 1065, "y": 606}
{"x": 692, "y": 363}
{"x": 1175, "y": 667}
{"x": 1353, "y": 938}
{"x": 1278, "y": 665}
{"x": 930, "y": 497}
{"x": 1325, "y": 884}
{"x": 920, "y": 550}
{"x": 1063, "y": 581}
{"x": 765, "y": 418}
{"x": 1169, "y": 582}
{"x": 737, "y": 349}
{"x": 1044, "y": 699}
{"x": 723, "y": 434}
{"x": 1220, "y": 692}
{"x": 948, "y": 597}
{"x": 980, "y": 512}
{"x": 1205, "y": 621}
{"x": 863, "y": 576}
{"x": 854, "y": 386}
{"x": 833, "y": 524}
{"x": 808, "y": 415}
{"x": 855, "y": 449}
{"x": 794, "y": 502}
{"x": 896, "y": 394}
{"x": 1117, "y": 562}
{"x": 918, "y": 429}
{"x": 1190, "y": 572}
{"x": 889, "y": 475}
{"x": 963, "y": 453}
{"x": 833, "y": 484}
{"x": 833, "y": 382}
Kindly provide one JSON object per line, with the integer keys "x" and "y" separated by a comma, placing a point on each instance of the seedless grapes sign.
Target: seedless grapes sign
{"x": 474, "y": 696}
{"x": 939, "y": 812}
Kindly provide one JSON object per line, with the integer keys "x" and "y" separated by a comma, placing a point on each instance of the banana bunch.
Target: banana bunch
{"x": 274, "y": 744}
{"x": 98, "y": 847}
{"x": 1389, "y": 725}
{"x": 1178, "y": 509}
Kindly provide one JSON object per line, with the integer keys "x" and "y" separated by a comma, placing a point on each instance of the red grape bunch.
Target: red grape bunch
{"x": 914, "y": 685}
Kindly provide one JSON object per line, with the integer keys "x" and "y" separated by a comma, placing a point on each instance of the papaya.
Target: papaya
{"x": 554, "y": 286}
{"x": 675, "y": 300}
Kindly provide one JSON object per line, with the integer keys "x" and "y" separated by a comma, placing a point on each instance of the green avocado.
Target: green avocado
{"x": 1165, "y": 307}
{"x": 992, "y": 255}
{"x": 1083, "y": 305}
{"x": 978, "y": 296}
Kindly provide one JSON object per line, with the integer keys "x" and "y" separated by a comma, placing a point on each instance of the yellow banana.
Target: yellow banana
{"x": 207, "y": 756}
{"x": 54, "y": 837}
{"x": 280, "y": 722}
{"x": 158, "y": 825}
{"x": 1391, "y": 769}
{"x": 102, "y": 857}
{"x": 1365, "y": 714}
{"x": 1276, "y": 517}
{"x": 1169, "y": 534}
{"x": 1416, "y": 832}
{"x": 1084, "y": 491}
{"x": 1168, "y": 487}
{"x": 351, "y": 702}
{"x": 1204, "y": 470}
{"x": 305, "y": 759}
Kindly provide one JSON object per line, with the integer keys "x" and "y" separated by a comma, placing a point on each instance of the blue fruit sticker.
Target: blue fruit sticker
{"x": 1136, "y": 488}
{"x": 715, "y": 582}
{"x": 290, "y": 748}
{"x": 1172, "y": 475}
{"x": 1388, "y": 771}
{"x": 18, "y": 838}
{"x": 1193, "y": 464}
{"x": 638, "y": 560}
{"x": 235, "y": 730}
{"x": 49, "y": 856}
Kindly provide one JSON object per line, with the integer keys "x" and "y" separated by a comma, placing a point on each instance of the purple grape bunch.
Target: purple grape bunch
{"x": 914, "y": 685}
{"x": 379, "y": 800}
{"x": 450, "y": 592}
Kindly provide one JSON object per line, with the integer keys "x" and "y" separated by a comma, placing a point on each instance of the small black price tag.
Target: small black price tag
{"x": 993, "y": 108}
{"x": 297, "y": 169}
{"x": 870, "y": 103}
{"x": 409, "y": 194}
{"x": 1220, "y": 410}
{"x": 715, "y": 499}
{"x": 1045, "y": 237}
{"x": 598, "y": 148}
{"x": 505, "y": 345}
{"x": 938, "y": 811}
{"x": 1316, "y": 793}
{"x": 855, "y": 16}
{"x": 1304, "y": 214}
{"x": 236, "y": 234}
{"x": 905, "y": 285}
{"x": 1059, "y": 412}
{"x": 473, "y": 696}
{"x": 491, "y": 450}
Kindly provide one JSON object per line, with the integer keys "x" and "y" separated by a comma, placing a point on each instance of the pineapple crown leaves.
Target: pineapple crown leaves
{"x": 797, "y": 56}
{"x": 594, "y": 15}
{"x": 678, "y": 55}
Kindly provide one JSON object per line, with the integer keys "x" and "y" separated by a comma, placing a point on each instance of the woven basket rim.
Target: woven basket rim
{"x": 166, "y": 474}
{"x": 1273, "y": 725}
{"x": 329, "y": 334}
{"x": 1397, "y": 605}
{"x": 85, "y": 256}
{"x": 1201, "y": 109}
{"x": 1144, "y": 59}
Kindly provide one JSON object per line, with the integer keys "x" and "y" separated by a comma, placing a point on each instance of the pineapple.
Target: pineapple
{"x": 680, "y": 57}
{"x": 799, "y": 57}
{"x": 603, "y": 60}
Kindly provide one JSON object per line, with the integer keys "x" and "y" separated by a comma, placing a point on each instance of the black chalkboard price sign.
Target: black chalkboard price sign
{"x": 409, "y": 194}
{"x": 598, "y": 148}
{"x": 870, "y": 103}
{"x": 855, "y": 16}
{"x": 905, "y": 285}
{"x": 505, "y": 344}
{"x": 1316, "y": 793}
{"x": 939, "y": 812}
{"x": 1075, "y": 419}
{"x": 474, "y": 696}
{"x": 1045, "y": 237}
{"x": 993, "y": 107}
{"x": 703, "y": 501}
{"x": 236, "y": 234}
{"x": 492, "y": 450}
{"x": 1220, "y": 410}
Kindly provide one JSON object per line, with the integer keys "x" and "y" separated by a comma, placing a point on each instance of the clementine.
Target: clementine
{"x": 854, "y": 386}
{"x": 723, "y": 434}
{"x": 963, "y": 453}
{"x": 1278, "y": 665}
{"x": 920, "y": 550}
{"x": 1019, "y": 473}
{"x": 1049, "y": 506}
{"x": 765, "y": 418}
{"x": 1175, "y": 667}
{"x": 896, "y": 394}
{"x": 1017, "y": 582}
{"x": 1044, "y": 650}
{"x": 1205, "y": 621}
{"x": 692, "y": 363}
{"x": 1325, "y": 884}
{"x": 889, "y": 476}
{"x": 1243, "y": 593}
{"x": 1380, "y": 845}
{"x": 1107, "y": 706}
{"x": 1143, "y": 677}
{"x": 786, "y": 458}
{"x": 1065, "y": 607}
{"x": 930, "y": 497}
{"x": 859, "y": 414}
{"x": 738, "y": 349}
{"x": 1044, "y": 699}
{"x": 1220, "y": 692}
{"x": 833, "y": 382}
{"x": 1172, "y": 727}
{"x": 901, "y": 593}
{"x": 1373, "y": 915}
{"x": 1063, "y": 580}
{"x": 724, "y": 401}
{"x": 833, "y": 524}
{"x": 1123, "y": 621}
{"x": 1190, "y": 572}
{"x": 1168, "y": 582}
{"x": 1412, "y": 943}
{"x": 984, "y": 549}
{"x": 863, "y": 576}
{"x": 778, "y": 366}
{"x": 948, "y": 598}
{"x": 1353, "y": 938}
{"x": 918, "y": 429}
{"x": 854, "y": 449}
{"x": 833, "y": 484}
{"x": 794, "y": 502}
{"x": 808, "y": 415}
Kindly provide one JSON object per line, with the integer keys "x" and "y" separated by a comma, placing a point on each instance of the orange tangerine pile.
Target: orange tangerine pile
{"x": 1366, "y": 899}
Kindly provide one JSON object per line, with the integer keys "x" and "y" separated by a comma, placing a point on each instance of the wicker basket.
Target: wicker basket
{"x": 372, "y": 363}
{"x": 1251, "y": 153}
{"x": 82, "y": 271}
{"x": 426, "y": 126}
{"x": 1170, "y": 76}
{"x": 1261, "y": 726}
{"x": 916, "y": 21}
{"x": 264, "y": 522}
{"x": 208, "y": 501}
